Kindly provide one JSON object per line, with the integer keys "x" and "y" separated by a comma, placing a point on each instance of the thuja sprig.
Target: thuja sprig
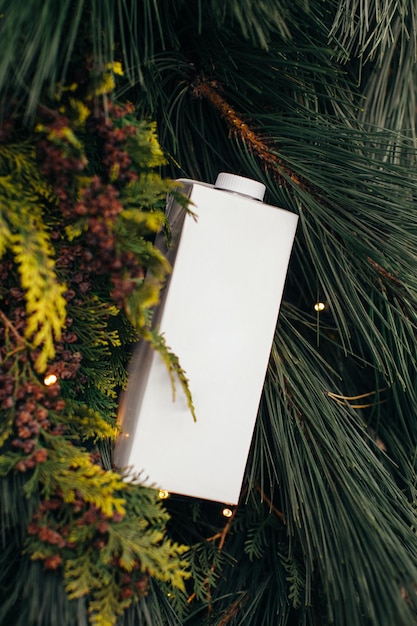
{"x": 104, "y": 534}
{"x": 108, "y": 557}
{"x": 25, "y": 234}
{"x": 96, "y": 199}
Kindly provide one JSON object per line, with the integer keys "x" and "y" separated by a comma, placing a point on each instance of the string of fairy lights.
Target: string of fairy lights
{"x": 52, "y": 379}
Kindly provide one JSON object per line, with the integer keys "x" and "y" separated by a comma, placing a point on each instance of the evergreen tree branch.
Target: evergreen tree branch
{"x": 210, "y": 90}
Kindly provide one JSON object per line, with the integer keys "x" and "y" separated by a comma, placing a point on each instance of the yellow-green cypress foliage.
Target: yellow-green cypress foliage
{"x": 80, "y": 201}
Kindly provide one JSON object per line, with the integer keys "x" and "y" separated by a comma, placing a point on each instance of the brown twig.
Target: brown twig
{"x": 209, "y": 90}
{"x": 222, "y": 536}
{"x": 273, "y": 508}
{"x": 383, "y": 272}
{"x": 8, "y": 324}
{"x": 231, "y": 613}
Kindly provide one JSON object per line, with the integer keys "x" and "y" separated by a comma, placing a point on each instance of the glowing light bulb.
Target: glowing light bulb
{"x": 49, "y": 380}
{"x": 227, "y": 512}
{"x": 163, "y": 494}
{"x": 319, "y": 306}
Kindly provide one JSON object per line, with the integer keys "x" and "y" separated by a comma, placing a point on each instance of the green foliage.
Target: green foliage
{"x": 204, "y": 562}
{"x": 243, "y": 561}
{"x": 76, "y": 243}
{"x": 296, "y": 582}
{"x": 316, "y": 100}
{"x": 24, "y": 232}
{"x": 134, "y": 545}
{"x": 257, "y": 538}
{"x": 46, "y": 306}
{"x": 88, "y": 424}
{"x": 107, "y": 555}
{"x": 103, "y": 610}
{"x": 174, "y": 368}
{"x": 146, "y": 153}
{"x": 49, "y": 39}
{"x": 370, "y": 30}
{"x": 326, "y": 464}
{"x": 99, "y": 342}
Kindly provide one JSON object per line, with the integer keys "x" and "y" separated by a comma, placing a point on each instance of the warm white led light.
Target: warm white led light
{"x": 163, "y": 494}
{"x": 319, "y": 306}
{"x": 49, "y": 380}
{"x": 227, "y": 512}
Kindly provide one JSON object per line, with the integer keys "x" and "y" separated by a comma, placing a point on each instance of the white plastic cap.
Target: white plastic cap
{"x": 239, "y": 184}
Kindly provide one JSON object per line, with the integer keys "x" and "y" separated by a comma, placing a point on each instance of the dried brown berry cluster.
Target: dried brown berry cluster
{"x": 134, "y": 583}
{"x": 114, "y": 131}
{"x": 55, "y": 533}
{"x": 30, "y": 401}
{"x": 32, "y": 405}
{"x": 41, "y": 527}
{"x": 97, "y": 203}
{"x": 101, "y": 205}
{"x": 60, "y": 159}
{"x": 69, "y": 263}
{"x": 67, "y": 361}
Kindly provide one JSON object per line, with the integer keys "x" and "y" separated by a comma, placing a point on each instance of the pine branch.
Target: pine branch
{"x": 210, "y": 90}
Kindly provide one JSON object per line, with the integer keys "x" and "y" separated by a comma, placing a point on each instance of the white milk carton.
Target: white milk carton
{"x": 218, "y": 315}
